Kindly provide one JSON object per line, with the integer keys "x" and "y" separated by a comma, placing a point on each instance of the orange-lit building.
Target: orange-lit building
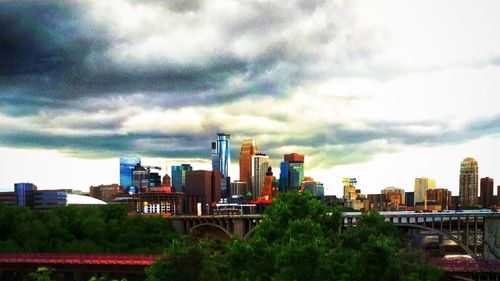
{"x": 294, "y": 157}
{"x": 441, "y": 197}
{"x": 248, "y": 150}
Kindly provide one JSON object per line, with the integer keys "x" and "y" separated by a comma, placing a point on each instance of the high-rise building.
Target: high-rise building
{"x": 127, "y": 165}
{"x": 221, "y": 159}
{"x": 410, "y": 199}
{"x": 421, "y": 186}
{"x": 248, "y": 149}
{"x": 179, "y": 176}
{"x": 291, "y": 172}
{"x": 487, "y": 192}
{"x": 140, "y": 180}
{"x": 441, "y": 198}
{"x": 392, "y": 189}
{"x": 260, "y": 164}
{"x": 468, "y": 182}
{"x": 24, "y": 193}
{"x": 202, "y": 189}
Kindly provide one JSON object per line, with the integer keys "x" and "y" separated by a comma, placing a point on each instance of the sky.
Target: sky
{"x": 384, "y": 91}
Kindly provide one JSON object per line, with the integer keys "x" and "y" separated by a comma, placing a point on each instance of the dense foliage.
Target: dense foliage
{"x": 299, "y": 239}
{"x": 103, "y": 229}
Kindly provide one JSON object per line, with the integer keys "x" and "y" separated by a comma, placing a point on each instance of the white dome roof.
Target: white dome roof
{"x": 76, "y": 199}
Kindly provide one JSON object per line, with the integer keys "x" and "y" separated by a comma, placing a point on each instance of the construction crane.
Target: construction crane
{"x": 152, "y": 167}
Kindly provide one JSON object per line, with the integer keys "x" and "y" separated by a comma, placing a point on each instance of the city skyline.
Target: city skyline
{"x": 365, "y": 90}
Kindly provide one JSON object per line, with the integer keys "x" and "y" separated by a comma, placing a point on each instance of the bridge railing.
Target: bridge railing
{"x": 63, "y": 258}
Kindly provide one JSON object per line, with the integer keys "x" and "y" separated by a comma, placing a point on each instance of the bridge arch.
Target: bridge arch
{"x": 447, "y": 235}
{"x": 211, "y": 231}
{"x": 249, "y": 234}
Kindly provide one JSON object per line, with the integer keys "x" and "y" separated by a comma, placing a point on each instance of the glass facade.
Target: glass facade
{"x": 47, "y": 199}
{"x": 24, "y": 193}
{"x": 221, "y": 154}
{"x": 179, "y": 176}
{"x": 127, "y": 165}
{"x": 421, "y": 187}
{"x": 221, "y": 158}
{"x": 291, "y": 172}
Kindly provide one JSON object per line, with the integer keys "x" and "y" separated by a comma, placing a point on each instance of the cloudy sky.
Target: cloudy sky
{"x": 384, "y": 91}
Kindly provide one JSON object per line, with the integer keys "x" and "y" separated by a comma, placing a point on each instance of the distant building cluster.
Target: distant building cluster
{"x": 199, "y": 192}
{"x": 426, "y": 197}
{"x": 196, "y": 192}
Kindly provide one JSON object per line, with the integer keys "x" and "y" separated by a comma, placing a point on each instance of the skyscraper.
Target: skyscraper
{"x": 421, "y": 186}
{"x": 468, "y": 182}
{"x": 127, "y": 165}
{"x": 291, "y": 172}
{"x": 221, "y": 158}
{"x": 140, "y": 179}
{"x": 260, "y": 164}
{"x": 248, "y": 149}
{"x": 487, "y": 192}
{"x": 179, "y": 176}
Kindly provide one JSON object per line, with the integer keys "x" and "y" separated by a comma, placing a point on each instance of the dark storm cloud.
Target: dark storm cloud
{"x": 54, "y": 54}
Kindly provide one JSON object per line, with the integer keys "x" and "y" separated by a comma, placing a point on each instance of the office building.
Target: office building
{"x": 221, "y": 160}
{"x": 421, "y": 186}
{"x": 441, "y": 198}
{"x": 179, "y": 176}
{"x": 350, "y": 192}
{"x": 154, "y": 180}
{"x": 239, "y": 188}
{"x": 24, "y": 193}
{"x": 291, "y": 172}
{"x": 395, "y": 190}
{"x": 8, "y": 198}
{"x": 106, "y": 193}
{"x": 260, "y": 164}
{"x": 127, "y": 165}
{"x": 140, "y": 180}
{"x": 313, "y": 187}
{"x": 247, "y": 151}
{"x": 47, "y": 199}
{"x": 468, "y": 182}
{"x": 410, "y": 199}
{"x": 487, "y": 192}
{"x": 202, "y": 191}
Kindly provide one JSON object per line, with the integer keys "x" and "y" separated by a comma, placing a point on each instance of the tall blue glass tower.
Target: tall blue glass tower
{"x": 221, "y": 159}
{"x": 127, "y": 165}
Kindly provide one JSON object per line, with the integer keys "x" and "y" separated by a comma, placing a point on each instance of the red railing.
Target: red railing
{"x": 101, "y": 259}
{"x": 465, "y": 265}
